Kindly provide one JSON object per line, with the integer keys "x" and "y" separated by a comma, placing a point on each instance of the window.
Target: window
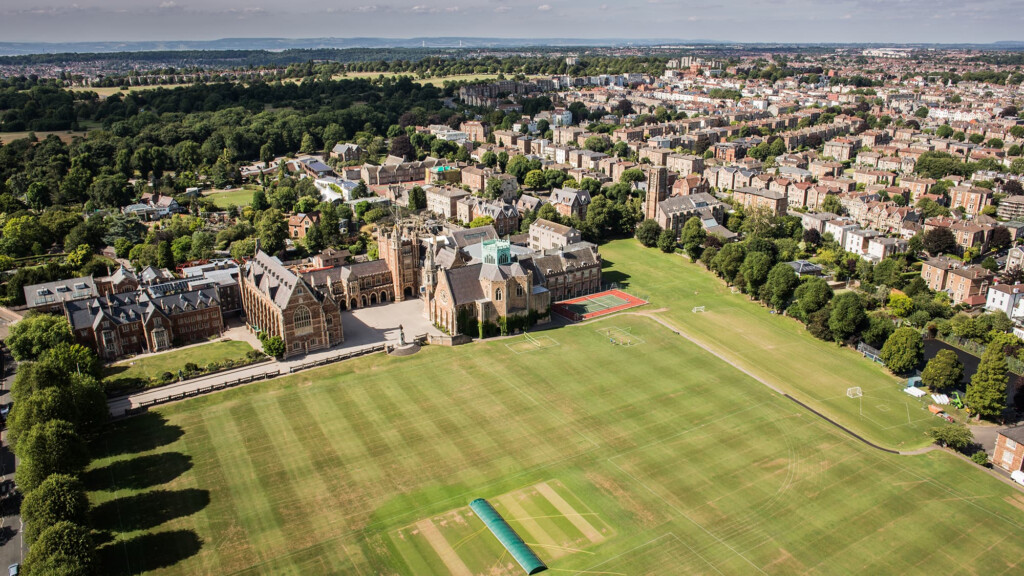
{"x": 302, "y": 320}
{"x": 519, "y": 289}
{"x": 497, "y": 295}
{"x": 1011, "y": 445}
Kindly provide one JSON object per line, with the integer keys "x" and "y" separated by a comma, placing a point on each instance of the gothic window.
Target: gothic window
{"x": 519, "y": 289}
{"x": 302, "y": 320}
{"x": 497, "y": 295}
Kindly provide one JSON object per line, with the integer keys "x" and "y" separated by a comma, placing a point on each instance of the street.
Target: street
{"x": 12, "y": 544}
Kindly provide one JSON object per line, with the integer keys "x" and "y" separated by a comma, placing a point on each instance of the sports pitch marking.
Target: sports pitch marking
{"x": 531, "y": 343}
{"x": 620, "y": 336}
{"x": 447, "y": 554}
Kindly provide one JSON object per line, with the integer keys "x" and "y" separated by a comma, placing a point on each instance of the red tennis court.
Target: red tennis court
{"x": 594, "y": 305}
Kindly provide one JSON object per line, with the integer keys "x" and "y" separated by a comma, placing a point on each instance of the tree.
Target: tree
{"x": 402, "y": 147}
{"x": 648, "y": 232}
{"x": 903, "y": 350}
{"x": 900, "y": 304}
{"x": 986, "y": 393}
{"x": 728, "y": 261}
{"x": 534, "y": 179}
{"x": 755, "y": 269}
{"x": 847, "y": 317}
{"x": 165, "y": 255}
{"x": 880, "y": 327}
{"x": 63, "y": 548}
{"x": 51, "y": 447}
{"x": 73, "y": 358}
{"x": 832, "y": 204}
{"x": 489, "y": 159}
{"x": 943, "y": 372}
{"x": 692, "y": 237}
{"x": 632, "y": 177}
{"x": 782, "y": 282}
{"x": 956, "y": 436}
{"x": 1000, "y": 238}
{"x": 259, "y": 201}
{"x": 667, "y": 241}
{"x": 777, "y": 147}
{"x": 921, "y": 112}
{"x": 938, "y": 241}
{"x": 37, "y": 333}
{"x": 519, "y": 167}
{"x": 417, "y": 198}
{"x": 812, "y": 295}
{"x": 60, "y": 498}
{"x": 273, "y": 346}
{"x": 271, "y": 229}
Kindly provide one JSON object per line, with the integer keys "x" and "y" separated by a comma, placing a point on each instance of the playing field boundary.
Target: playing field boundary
{"x": 564, "y": 308}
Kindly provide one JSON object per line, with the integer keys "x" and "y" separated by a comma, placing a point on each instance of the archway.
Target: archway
{"x": 383, "y": 297}
{"x": 362, "y": 301}
{"x": 353, "y": 304}
{"x": 408, "y": 292}
{"x": 373, "y": 299}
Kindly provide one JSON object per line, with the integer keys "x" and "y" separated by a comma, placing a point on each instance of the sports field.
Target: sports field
{"x": 776, "y": 349}
{"x": 234, "y": 197}
{"x": 649, "y": 458}
{"x": 593, "y": 305}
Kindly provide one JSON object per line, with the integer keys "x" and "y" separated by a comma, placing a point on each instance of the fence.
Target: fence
{"x": 870, "y": 353}
{"x": 145, "y": 405}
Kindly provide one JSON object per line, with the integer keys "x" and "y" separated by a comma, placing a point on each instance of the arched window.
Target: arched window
{"x": 302, "y": 320}
{"x": 519, "y": 289}
{"x": 497, "y": 295}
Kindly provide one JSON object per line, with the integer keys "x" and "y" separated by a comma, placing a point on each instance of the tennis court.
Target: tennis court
{"x": 594, "y": 305}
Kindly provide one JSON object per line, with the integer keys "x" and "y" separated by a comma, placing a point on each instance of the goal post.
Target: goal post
{"x": 697, "y": 309}
{"x": 854, "y": 392}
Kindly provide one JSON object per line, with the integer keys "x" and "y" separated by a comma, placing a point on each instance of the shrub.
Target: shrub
{"x": 980, "y": 458}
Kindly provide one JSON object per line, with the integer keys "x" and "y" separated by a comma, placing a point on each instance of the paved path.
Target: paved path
{"x": 705, "y": 347}
{"x": 364, "y": 328}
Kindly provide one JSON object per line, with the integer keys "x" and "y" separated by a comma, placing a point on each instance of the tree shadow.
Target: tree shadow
{"x": 135, "y": 435}
{"x": 148, "y": 552}
{"x": 148, "y": 509}
{"x": 139, "y": 472}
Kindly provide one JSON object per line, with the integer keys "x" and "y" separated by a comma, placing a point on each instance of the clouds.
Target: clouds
{"x": 739, "y": 20}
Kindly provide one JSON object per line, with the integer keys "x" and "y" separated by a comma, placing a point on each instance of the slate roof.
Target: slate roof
{"x": 270, "y": 277}
{"x": 60, "y": 291}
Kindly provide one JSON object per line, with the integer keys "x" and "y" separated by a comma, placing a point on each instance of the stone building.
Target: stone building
{"x": 400, "y": 249}
{"x": 277, "y": 302}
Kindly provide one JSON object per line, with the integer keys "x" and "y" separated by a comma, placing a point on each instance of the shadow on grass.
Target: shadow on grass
{"x": 148, "y": 552}
{"x": 139, "y": 472}
{"x": 609, "y": 276}
{"x": 135, "y": 435}
{"x": 148, "y": 509}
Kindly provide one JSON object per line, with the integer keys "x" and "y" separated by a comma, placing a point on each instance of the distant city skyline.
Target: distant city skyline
{"x": 803, "y": 21}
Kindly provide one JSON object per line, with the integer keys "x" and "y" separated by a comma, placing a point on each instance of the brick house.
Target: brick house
{"x": 570, "y": 202}
{"x": 970, "y": 198}
{"x": 299, "y": 224}
{"x": 444, "y": 201}
{"x": 1009, "y": 452}
{"x": 747, "y": 197}
{"x": 963, "y": 284}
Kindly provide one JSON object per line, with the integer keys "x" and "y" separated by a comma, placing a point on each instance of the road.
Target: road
{"x": 12, "y": 544}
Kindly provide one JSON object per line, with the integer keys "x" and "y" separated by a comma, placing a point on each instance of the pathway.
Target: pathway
{"x": 364, "y": 328}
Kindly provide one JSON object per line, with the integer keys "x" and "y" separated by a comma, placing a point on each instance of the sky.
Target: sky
{"x": 967, "y": 21}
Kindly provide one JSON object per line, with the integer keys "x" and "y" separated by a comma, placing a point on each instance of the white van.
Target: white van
{"x": 1018, "y": 476}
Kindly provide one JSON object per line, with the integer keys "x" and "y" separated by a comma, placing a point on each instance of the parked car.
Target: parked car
{"x": 13, "y": 569}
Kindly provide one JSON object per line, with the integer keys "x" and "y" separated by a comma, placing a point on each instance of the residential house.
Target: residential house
{"x": 1004, "y": 298}
{"x": 570, "y": 202}
{"x": 545, "y": 235}
{"x": 1009, "y": 449}
{"x": 299, "y": 224}
{"x": 750, "y": 197}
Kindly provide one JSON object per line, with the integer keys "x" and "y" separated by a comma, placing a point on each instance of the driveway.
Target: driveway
{"x": 364, "y": 328}
{"x": 12, "y": 545}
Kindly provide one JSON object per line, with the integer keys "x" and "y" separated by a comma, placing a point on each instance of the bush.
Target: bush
{"x": 956, "y": 436}
{"x": 980, "y": 458}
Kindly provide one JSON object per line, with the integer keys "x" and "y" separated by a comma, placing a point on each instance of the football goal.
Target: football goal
{"x": 697, "y": 309}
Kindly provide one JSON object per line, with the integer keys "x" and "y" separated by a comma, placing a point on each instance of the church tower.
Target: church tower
{"x": 657, "y": 190}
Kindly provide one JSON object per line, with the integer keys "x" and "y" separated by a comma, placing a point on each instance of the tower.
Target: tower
{"x": 657, "y": 190}
{"x": 400, "y": 249}
{"x": 429, "y": 282}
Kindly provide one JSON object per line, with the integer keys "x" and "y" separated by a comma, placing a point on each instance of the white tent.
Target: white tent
{"x": 915, "y": 392}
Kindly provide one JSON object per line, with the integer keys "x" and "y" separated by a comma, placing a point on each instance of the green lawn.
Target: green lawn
{"x": 147, "y": 367}
{"x": 678, "y": 462}
{"x": 776, "y": 349}
{"x": 234, "y": 197}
